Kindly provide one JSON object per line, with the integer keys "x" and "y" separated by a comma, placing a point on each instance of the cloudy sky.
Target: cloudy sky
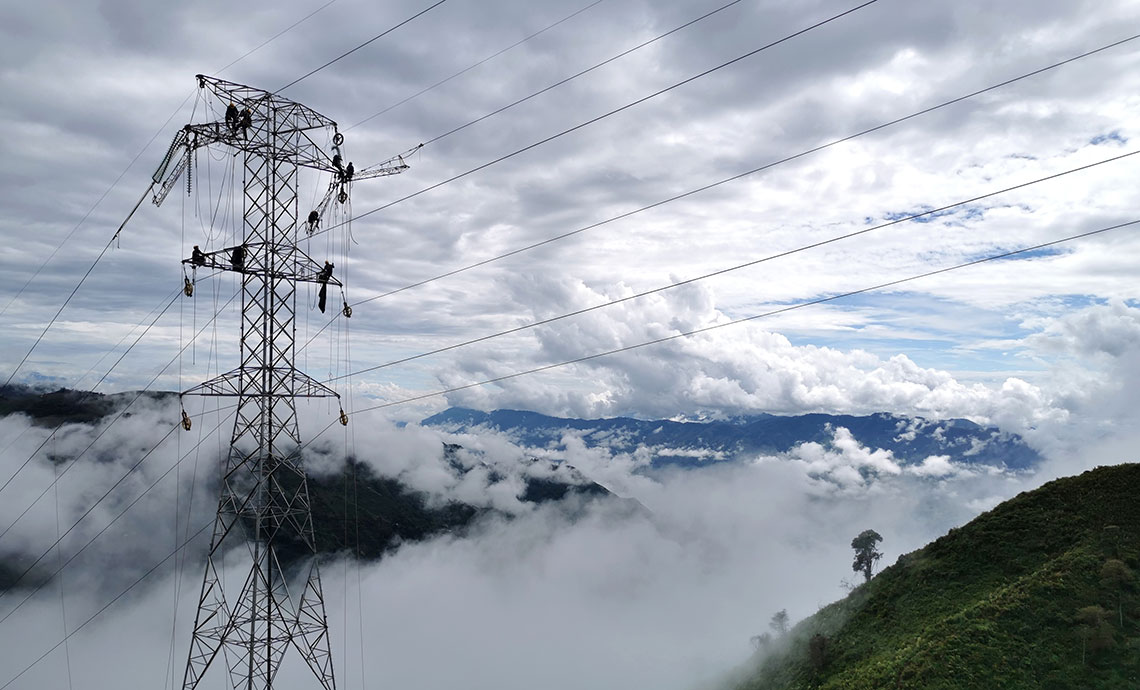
{"x": 1012, "y": 341}
{"x": 1045, "y": 344}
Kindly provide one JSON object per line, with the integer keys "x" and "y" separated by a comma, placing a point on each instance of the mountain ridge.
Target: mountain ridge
{"x": 910, "y": 439}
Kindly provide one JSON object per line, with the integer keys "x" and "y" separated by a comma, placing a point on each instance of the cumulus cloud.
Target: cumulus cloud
{"x": 736, "y": 370}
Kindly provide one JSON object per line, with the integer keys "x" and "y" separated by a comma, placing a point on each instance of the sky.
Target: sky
{"x": 1043, "y": 344}
{"x": 87, "y": 88}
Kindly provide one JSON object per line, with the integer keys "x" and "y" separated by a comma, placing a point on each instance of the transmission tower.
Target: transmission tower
{"x": 264, "y": 493}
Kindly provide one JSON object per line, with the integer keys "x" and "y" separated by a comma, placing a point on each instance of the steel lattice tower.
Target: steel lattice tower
{"x": 264, "y": 494}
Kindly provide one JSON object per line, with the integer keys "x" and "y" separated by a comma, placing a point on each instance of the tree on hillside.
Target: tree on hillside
{"x": 817, "y": 650}
{"x": 866, "y": 555}
{"x": 1115, "y": 575}
{"x": 760, "y": 642}
{"x": 1094, "y": 629}
{"x": 779, "y": 622}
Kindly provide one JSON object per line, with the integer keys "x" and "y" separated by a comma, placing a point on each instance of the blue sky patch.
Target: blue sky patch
{"x": 1113, "y": 136}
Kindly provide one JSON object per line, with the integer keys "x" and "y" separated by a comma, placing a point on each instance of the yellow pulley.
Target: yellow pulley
{"x": 188, "y": 288}
{"x": 185, "y": 421}
{"x": 343, "y": 418}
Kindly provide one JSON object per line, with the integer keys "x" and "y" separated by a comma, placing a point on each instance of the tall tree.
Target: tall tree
{"x": 1115, "y": 575}
{"x": 779, "y": 622}
{"x": 1094, "y": 629}
{"x": 866, "y": 555}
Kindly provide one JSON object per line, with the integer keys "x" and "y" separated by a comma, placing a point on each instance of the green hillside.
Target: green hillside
{"x": 1031, "y": 594}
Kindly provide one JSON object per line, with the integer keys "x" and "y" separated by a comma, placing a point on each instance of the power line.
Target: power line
{"x": 706, "y": 329}
{"x": 77, "y": 286}
{"x": 87, "y": 373}
{"x": 374, "y": 38}
{"x": 572, "y": 77}
{"x": 484, "y": 60}
{"x": 118, "y": 416}
{"x": 106, "y": 606}
{"x": 603, "y": 116}
{"x": 276, "y": 36}
{"x": 106, "y": 527}
{"x": 84, "y": 397}
{"x": 718, "y": 183}
{"x": 703, "y": 277}
{"x": 745, "y": 319}
{"x": 89, "y": 510}
{"x": 94, "y": 206}
{"x": 145, "y": 146}
{"x": 730, "y": 269}
{"x": 139, "y": 203}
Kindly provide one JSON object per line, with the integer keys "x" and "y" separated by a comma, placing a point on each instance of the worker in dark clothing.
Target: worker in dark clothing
{"x": 338, "y": 164}
{"x": 348, "y": 172}
{"x": 323, "y": 278}
{"x": 237, "y": 257}
{"x": 197, "y": 258}
{"x": 232, "y": 117}
{"x": 246, "y": 122}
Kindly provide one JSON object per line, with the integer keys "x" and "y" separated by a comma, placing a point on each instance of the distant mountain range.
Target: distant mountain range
{"x": 697, "y": 443}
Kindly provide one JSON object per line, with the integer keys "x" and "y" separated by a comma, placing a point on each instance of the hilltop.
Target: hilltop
{"x": 1003, "y": 602}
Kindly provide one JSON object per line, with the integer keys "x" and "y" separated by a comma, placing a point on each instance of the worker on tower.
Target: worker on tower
{"x": 323, "y": 278}
{"x": 197, "y": 258}
{"x": 232, "y": 117}
{"x": 246, "y": 122}
{"x": 338, "y": 164}
{"x": 348, "y": 172}
{"x": 237, "y": 257}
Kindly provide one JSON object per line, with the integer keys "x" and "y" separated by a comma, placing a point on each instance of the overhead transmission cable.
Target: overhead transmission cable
{"x": 76, "y": 289}
{"x": 139, "y": 203}
{"x": 12, "y": 585}
{"x": 735, "y": 322}
{"x": 570, "y": 78}
{"x": 161, "y": 129}
{"x": 720, "y": 272}
{"x": 122, "y": 411}
{"x": 743, "y": 174}
{"x": 718, "y": 183}
{"x": 793, "y": 307}
{"x": 350, "y": 52}
{"x": 87, "y": 394}
{"x": 115, "y": 183}
{"x": 92, "y": 368}
{"x": 603, "y": 116}
{"x": 106, "y": 606}
{"x": 103, "y": 530}
{"x": 694, "y": 332}
{"x": 876, "y": 128}
{"x": 277, "y": 35}
{"x": 827, "y": 299}
{"x": 485, "y": 60}
{"x": 737, "y": 267}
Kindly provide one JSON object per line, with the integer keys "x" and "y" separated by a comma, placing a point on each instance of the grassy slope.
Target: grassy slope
{"x": 991, "y": 605}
